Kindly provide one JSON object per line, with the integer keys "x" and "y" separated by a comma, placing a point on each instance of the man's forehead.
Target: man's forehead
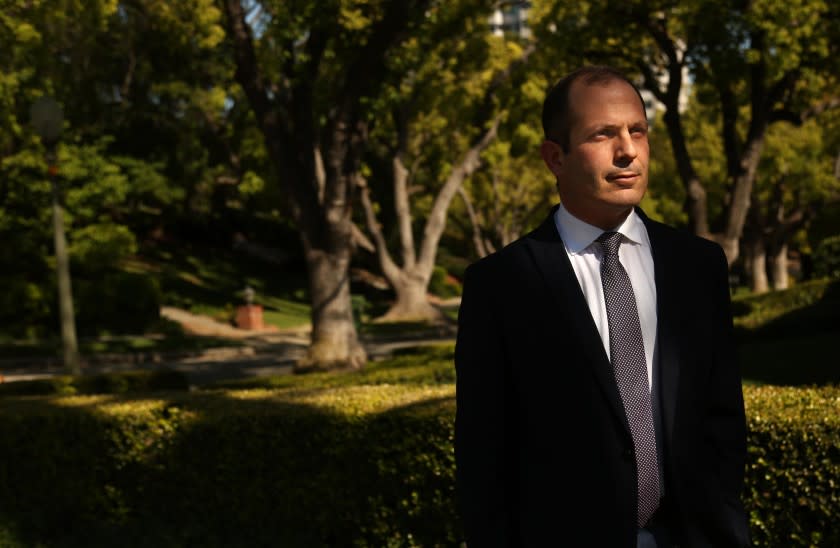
{"x": 590, "y": 97}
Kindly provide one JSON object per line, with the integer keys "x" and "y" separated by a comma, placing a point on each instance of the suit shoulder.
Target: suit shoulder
{"x": 500, "y": 260}
{"x": 681, "y": 239}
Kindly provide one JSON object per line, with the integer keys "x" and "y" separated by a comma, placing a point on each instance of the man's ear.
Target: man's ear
{"x": 553, "y": 156}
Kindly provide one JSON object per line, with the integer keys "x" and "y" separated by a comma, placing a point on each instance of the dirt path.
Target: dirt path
{"x": 204, "y": 325}
{"x": 255, "y": 353}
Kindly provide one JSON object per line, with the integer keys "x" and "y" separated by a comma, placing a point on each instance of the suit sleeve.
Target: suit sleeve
{"x": 483, "y": 466}
{"x": 725, "y": 430}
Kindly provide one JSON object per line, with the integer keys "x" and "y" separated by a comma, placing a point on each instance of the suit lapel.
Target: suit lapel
{"x": 668, "y": 312}
{"x": 549, "y": 254}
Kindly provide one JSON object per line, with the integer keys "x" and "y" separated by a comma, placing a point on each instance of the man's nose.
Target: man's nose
{"x": 625, "y": 147}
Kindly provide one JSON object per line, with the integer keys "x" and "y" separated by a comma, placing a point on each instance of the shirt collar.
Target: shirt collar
{"x": 578, "y": 235}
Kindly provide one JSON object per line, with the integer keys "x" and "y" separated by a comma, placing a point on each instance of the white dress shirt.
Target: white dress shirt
{"x": 634, "y": 254}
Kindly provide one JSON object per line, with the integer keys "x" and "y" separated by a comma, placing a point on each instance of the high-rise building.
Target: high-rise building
{"x": 511, "y": 18}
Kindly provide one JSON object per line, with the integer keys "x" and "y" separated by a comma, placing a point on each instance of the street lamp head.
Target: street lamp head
{"x": 47, "y": 119}
{"x": 248, "y": 293}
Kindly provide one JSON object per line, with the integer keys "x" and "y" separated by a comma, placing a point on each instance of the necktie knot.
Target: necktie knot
{"x": 609, "y": 242}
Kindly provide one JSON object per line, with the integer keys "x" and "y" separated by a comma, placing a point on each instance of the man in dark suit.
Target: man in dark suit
{"x": 598, "y": 398}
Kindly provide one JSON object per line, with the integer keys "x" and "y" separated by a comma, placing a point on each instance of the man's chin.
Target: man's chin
{"x": 626, "y": 198}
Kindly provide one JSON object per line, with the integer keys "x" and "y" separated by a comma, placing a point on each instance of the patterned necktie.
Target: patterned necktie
{"x": 627, "y": 354}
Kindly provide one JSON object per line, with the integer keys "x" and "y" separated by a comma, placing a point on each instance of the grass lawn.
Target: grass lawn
{"x": 199, "y": 279}
{"x": 211, "y": 282}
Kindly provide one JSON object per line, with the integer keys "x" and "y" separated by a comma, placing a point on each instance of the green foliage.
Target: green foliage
{"x": 25, "y": 308}
{"x": 757, "y": 311}
{"x": 793, "y": 465}
{"x": 827, "y": 258}
{"x": 443, "y": 285}
{"x": 99, "y": 246}
{"x": 116, "y": 302}
{"x": 365, "y": 460}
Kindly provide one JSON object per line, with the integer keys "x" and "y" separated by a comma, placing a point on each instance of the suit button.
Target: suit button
{"x": 629, "y": 455}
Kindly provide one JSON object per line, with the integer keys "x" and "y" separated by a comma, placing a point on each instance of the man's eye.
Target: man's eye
{"x": 639, "y": 130}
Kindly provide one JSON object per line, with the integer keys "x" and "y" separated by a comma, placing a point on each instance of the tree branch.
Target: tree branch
{"x": 480, "y": 249}
{"x": 389, "y": 268}
{"x": 402, "y": 206}
{"x": 436, "y": 221}
{"x": 248, "y": 73}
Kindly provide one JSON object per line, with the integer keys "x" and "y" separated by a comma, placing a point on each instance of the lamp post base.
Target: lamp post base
{"x": 250, "y": 316}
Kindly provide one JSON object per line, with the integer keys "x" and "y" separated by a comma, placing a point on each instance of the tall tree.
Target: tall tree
{"x": 749, "y": 53}
{"x": 795, "y": 179}
{"x": 445, "y": 111}
{"x": 131, "y": 76}
{"x": 513, "y": 190}
{"x": 309, "y": 72}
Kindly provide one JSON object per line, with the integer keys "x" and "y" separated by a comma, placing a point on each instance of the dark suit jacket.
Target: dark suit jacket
{"x": 544, "y": 455}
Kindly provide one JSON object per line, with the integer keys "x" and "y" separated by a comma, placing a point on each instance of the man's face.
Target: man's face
{"x": 604, "y": 173}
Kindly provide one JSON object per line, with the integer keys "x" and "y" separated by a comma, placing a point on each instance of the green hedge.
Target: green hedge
{"x": 793, "y": 472}
{"x": 367, "y": 465}
{"x": 803, "y": 308}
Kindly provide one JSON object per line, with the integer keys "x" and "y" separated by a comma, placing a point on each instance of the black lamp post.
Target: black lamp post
{"x": 47, "y": 119}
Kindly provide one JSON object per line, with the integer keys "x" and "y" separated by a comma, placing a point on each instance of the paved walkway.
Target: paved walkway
{"x": 255, "y": 354}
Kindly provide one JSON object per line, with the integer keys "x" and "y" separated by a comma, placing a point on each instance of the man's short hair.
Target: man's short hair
{"x": 557, "y": 114}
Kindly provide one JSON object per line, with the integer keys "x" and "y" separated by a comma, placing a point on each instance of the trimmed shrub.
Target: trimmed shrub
{"x": 757, "y": 312}
{"x": 368, "y": 465}
{"x": 793, "y": 471}
{"x": 248, "y": 468}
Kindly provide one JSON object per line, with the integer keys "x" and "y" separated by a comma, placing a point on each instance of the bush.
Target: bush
{"x": 108, "y": 302}
{"x": 100, "y": 246}
{"x": 363, "y": 466}
{"x": 25, "y": 307}
{"x": 826, "y": 258}
{"x": 116, "y": 302}
{"x": 443, "y": 285}
{"x": 755, "y": 311}
{"x": 353, "y": 465}
{"x": 793, "y": 466}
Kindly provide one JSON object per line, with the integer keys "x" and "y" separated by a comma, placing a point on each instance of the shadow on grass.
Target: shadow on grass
{"x": 796, "y": 348}
{"x": 129, "y": 344}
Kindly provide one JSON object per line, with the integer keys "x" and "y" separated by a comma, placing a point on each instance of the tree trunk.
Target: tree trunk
{"x": 695, "y": 193}
{"x": 410, "y": 281}
{"x": 412, "y": 303}
{"x": 779, "y": 268}
{"x": 334, "y": 343}
{"x": 478, "y": 240}
{"x": 739, "y": 204}
{"x": 297, "y": 134}
{"x": 756, "y": 256}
